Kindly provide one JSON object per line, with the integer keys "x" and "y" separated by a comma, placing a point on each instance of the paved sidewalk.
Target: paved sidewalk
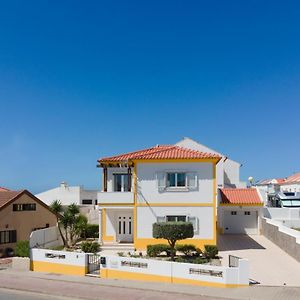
{"x": 95, "y": 288}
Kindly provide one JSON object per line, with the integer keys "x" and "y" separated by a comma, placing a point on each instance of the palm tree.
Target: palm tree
{"x": 56, "y": 207}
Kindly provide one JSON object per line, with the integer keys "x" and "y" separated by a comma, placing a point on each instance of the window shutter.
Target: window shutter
{"x": 194, "y": 221}
{"x": 192, "y": 180}
{"x": 161, "y": 180}
{"x": 161, "y": 219}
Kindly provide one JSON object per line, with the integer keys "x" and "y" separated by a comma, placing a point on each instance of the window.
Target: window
{"x": 87, "y": 201}
{"x": 193, "y": 220}
{"x": 121, "y": 183}
{"x": 24, "y": 207}
{"x": 176, "y": 180}
{"x": 233, "y": 213}
{"x": 176, "y": 218}
{"x": 8, "y": 236}
{"x": 247, "y": 213}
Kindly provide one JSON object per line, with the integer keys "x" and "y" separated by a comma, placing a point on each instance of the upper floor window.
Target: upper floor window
{"x": 87, "y": 201}
{"x": 24, "y": 207}
{"x": 176, "y": 181}
{"x": 121, "y": 183}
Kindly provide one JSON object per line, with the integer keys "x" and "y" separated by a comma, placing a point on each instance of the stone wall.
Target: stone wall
{"x": 284, "y": 238}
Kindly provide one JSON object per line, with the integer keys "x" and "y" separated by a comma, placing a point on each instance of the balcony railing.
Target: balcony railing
{"x": 115, "y": 198}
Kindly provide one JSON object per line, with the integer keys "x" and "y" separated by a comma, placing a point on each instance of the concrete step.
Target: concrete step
{"x": 118, "y": 247}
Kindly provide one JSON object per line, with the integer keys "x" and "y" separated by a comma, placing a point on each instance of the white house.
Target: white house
{"x": 162, "y": 183}
{"x": 86, "y": 199}
{"x": 291, "y": 183}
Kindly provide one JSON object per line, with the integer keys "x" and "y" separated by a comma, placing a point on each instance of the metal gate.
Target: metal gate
{"x": 93, "y": 264}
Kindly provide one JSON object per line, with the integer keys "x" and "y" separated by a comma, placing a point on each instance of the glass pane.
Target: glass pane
{"x": 171, "y": 179}
{"x": 180, "y": 179}
{"x": 125, "y": 183}
{"x": 171, "y": 218}
{"x": 120, "y": 225}
{"x": 118, "y": 182}
{"x": 181, "y": 218}
{"x": 129, "y": 227}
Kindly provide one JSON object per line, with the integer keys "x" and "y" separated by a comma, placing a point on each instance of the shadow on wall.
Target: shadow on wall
{"x": 227, "y": 181}
{"x": 228, "y": 242}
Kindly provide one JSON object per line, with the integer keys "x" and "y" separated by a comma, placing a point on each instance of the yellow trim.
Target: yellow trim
{"x": 105, "y": 238}
{"x": 141, "y": 243}
{"x": 215, "y": 204}
{"x": 41, "y": 266}
{"x": 115, "y": 204}
{"x": 173, "y": 204}
{"x": 179, "y": 160}
{"x": 135, "y": 202}
{"x": 116, "y": 274}
{"x": 244, "y": 204}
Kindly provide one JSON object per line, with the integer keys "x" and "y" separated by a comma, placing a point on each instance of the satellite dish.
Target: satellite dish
{"x": 251, "y": 179}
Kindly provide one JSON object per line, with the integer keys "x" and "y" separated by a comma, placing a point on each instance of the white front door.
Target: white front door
{"x": 125, "y": 227}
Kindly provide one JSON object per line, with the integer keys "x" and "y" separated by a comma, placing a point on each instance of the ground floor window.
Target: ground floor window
{"x": 174, "y": 218}
{"x": 8, "y": 236}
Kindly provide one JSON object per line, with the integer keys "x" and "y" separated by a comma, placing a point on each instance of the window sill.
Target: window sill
{"x": 176, "y": 189}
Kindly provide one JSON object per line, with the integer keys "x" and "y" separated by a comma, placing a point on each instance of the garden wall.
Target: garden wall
{"x": 173, "y": 272}
{"x": 47, "y": 237}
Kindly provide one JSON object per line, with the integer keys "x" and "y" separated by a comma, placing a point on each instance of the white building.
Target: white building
{"x": 162, "y": 183}
{"x": 291, "y": 183}
{"x": 85, "y": 199}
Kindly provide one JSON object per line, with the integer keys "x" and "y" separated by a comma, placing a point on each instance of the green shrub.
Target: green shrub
{"x": 173, "y": 232}
{"x": 158, "y": 249}
{"x": 200, "y": 260}
{"x": 121, "y": 254}
{"x": 90, "y": 247}
{"x": 22, "y": 249}
{"x": 211, "y": 251}
{"x": 92, "y": 231}
{"x": 187, "y": 249}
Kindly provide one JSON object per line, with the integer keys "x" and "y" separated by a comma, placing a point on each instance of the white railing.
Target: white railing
{"x": 115, "y": 198}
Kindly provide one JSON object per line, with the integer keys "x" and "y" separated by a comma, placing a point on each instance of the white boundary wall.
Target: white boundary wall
{"x": 157, "y": 270}
{"x": 47, "y": 237}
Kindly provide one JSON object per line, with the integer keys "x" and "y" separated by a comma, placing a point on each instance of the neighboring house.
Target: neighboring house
{"x": 20, "y": 214}
{"x": 228, "y": 170}
{"x": 162, "y": 183}
{"x": 239, "y": 211}
{"x": 85, "y": 199}
{"x": 291, "y": 184}
{"x": 281, "y": 192}
{"x": 68, "y": 195}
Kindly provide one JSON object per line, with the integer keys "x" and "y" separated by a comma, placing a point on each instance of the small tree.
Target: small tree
{"x": 173, "y": 232}
{"x": 56, "y": 207}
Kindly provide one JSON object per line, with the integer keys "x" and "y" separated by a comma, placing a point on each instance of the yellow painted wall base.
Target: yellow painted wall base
{"x": 141, "y": 244}
{"x": 40, "y": 266}
{"x": 116, "y": 274}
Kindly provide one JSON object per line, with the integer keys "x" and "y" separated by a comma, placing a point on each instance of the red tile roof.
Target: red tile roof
{"x": 7, "y": 196}
{"x": 2, "y": 189}
{"x": 295, "y": 178}
{"x": 162, "y": 152}
{"x": 240, "y": 196}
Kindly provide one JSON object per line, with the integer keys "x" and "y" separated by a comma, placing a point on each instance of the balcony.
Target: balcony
{"x": 115, "y": 198}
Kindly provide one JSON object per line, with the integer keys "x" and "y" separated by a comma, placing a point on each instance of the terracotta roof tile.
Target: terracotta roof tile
{"x": 295, "y": 178}
{"x": 162, "y": 152}
{"x": 240, "y": 196}
{"x": 6, "y": 196}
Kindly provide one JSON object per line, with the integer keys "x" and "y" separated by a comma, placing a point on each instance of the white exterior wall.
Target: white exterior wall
{"x": 232, "y": 174}
{"x": 295, "y": 187}
{"x": 67, "y": 195}
{"x": 239, "y": 222}
{"x": 205, "y": 217}
{"x": 147, "y": 188}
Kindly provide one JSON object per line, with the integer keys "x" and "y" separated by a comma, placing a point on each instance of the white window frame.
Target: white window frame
{"x": 192, "y": 219}
{"x": 191, "y": 181}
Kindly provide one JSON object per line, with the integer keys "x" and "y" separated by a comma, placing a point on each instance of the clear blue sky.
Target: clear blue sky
{"x": 84, "y": 79}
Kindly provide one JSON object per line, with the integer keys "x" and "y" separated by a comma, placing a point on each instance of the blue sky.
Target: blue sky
{"x": 84, "y": 79}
